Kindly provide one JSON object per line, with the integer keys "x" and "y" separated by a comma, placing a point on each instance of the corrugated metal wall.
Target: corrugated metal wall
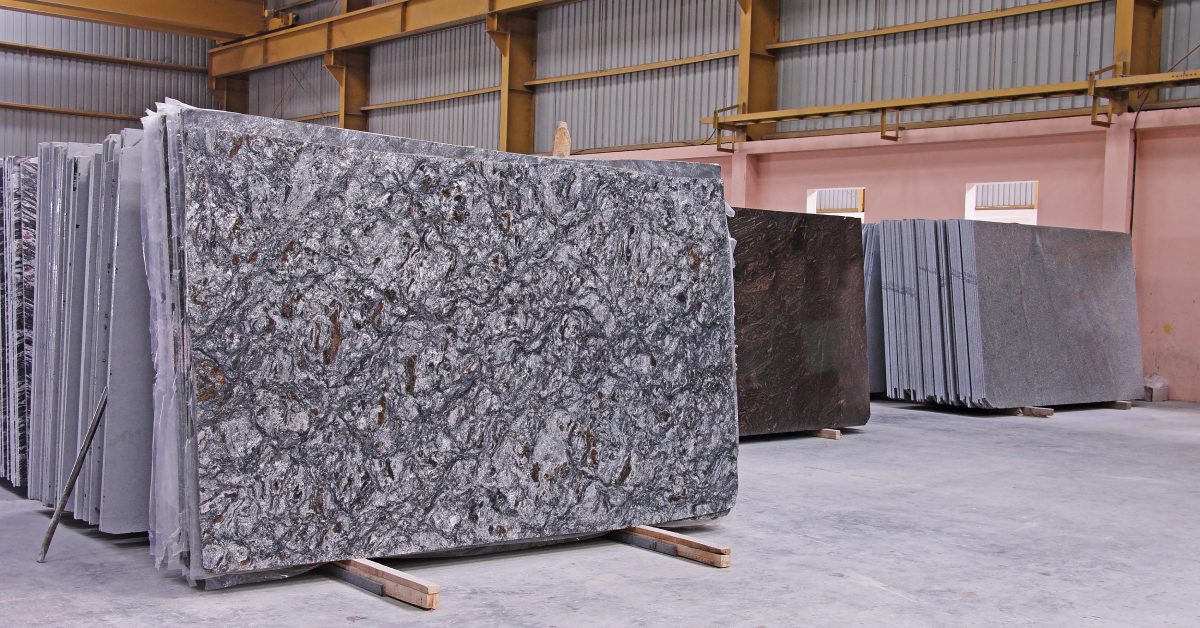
{"x": 1032, "y": 49}
{"x": 88, "y": 85}
{"x": 663, "y": 105}
{"x": 435, "y": 64}
{"x": 293, "y": 90}
{"x": 1181, "y": 31}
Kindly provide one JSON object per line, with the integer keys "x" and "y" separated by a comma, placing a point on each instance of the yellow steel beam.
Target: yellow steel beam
{"x": 86, "y": 56}
{"x": 1136, "y": 45}
{"x": 1108, "y": 87}
{"x": 70, "y": 112}
{"x": 215, "y": 19}
{"x": 395, "y": 104}
{"x": 314, "y": 116}
{"x": 630, "y": 69}
{"x": 758, "y": 74}
{"x": 356, "y": 29}
{"x": 515, "y": 34}
{"x": 350, "y": 68}
{"x": 232, "y": 92}
{"x": 920, "y": 26}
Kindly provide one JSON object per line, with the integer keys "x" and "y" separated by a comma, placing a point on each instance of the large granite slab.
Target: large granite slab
{"x": 801, "y": 322}
{"x": 1058, "y": 315}
{"x": 994, "y": 315}
{"x": 391, "y": 354}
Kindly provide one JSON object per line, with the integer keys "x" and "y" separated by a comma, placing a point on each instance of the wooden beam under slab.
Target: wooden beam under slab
{"x": 392, "y": 583}
{"x": 674, "y": 544}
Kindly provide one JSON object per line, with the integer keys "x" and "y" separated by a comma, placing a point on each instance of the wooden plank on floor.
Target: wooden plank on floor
{"x": 394, "y": 583}
{"x": 828, "y": 433}
{"x": 674, "y": 544}
{"x": 1120, "y": 405}
{"x": 1036, "y": 411}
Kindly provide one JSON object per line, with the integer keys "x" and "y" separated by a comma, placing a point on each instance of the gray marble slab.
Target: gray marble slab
{"x": 1058, "y": 315}
{"x": 125, "y": 481}
{"x": 873, "y": 284}
{"x": 1010, "y": 315}
{"x": 394, "y": 354}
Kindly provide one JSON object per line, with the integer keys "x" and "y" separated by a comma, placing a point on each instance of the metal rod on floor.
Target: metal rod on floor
{"x": 83, "y": 451}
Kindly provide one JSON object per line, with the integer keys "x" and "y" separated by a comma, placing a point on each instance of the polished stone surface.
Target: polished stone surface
{"x": 873, "y": 282}
{"x": 1058, "y": 315}
{"x": 994, "y": 315}
{"x": 801, "y": 322}
{"x": 395, "y": 353}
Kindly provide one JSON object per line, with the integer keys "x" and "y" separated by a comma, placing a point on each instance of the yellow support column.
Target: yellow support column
{"x": 758, "y": 73}
{"x": 232, "y": 92}
{"x": 1137, "y": 47}
{"x": 350, "y": 68}
{"x": 515, "y": 34}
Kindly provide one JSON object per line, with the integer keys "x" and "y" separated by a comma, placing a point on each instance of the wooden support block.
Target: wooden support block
{"x": 391, "y": 583}
{"x": 674, "y": 544}
{"x": 1036, "y": 411}
{"x": 1120, "y": 405}
{"x": 828, "y": 433}
{"x": 562, "y": 141}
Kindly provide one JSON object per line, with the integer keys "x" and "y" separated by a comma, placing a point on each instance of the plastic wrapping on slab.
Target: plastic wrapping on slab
{"x": 301, "y": 131}
{"x": 167, "y": 532}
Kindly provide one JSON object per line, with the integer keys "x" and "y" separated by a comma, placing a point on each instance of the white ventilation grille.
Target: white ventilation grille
{"x": 1008, "y": 201}
{"x": 837, "y": 201}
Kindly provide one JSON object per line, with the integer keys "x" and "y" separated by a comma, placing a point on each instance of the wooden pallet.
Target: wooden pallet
{"x": 674, "y": 544}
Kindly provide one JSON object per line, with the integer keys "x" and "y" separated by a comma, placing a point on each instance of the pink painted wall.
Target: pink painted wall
{"x": 1166, "y": 247}
{"x": 930, "y": 180}
{"x": 1085, "y": 175}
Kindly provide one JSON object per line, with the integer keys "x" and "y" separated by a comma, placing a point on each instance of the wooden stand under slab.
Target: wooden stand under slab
{"x": 674, "y": 544}
{"x": 1036, "y": 411}
{"x": 382, "y": 580}
{"x": 385, "y": 581}
{"x": 831, "y": 434}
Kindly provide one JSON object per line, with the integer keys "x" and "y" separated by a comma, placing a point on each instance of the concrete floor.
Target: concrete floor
{"x": 921, "y": 518}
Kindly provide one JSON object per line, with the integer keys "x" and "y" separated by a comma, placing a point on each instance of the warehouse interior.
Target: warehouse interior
{"x": 609, "y": 312}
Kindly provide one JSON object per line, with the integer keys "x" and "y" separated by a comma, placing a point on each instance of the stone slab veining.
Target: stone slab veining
{"x": 801, "y": 322}
{"x": 393, "y": 354}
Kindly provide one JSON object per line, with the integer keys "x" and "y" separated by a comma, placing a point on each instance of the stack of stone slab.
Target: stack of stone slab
{"x": 801, "y": 328}
{"x": 18, "y": 193}
{"x": 874, "y": 304}
{"x": 369, "y": 346}
{"x": 87, "y": 259}
{"x": 993, "y": 315}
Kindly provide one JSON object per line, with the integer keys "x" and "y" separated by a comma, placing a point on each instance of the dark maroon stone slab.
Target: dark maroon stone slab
{"x": 801, "y": 322}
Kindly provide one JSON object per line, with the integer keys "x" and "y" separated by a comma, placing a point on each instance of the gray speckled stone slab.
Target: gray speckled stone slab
{"x": 1058, "y": 315}
{"x": 393, "y": 354}
{"x": 873, "y": 284}
{"x": 1006, "y": 315}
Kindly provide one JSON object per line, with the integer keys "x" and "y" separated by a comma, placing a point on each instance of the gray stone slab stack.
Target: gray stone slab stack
{"x": 19, "y": 180}
{"x": 873, "y": 284}
{"x": 995, "y": 315}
